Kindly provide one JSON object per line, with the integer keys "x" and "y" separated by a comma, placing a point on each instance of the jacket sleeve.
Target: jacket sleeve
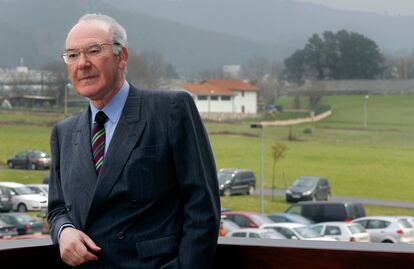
{"x": 197, "y": 177}
{"x": 57, "y": 213}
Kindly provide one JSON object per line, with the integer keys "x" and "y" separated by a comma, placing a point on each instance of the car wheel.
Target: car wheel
{"x": 227, "y": 192}
{"x": 21, "y": 208}
{"x": 387, "y": 241}
{"x": 250, "y": 191}
{"x": 33, "y": 166}
{"x": 10, "y": 165}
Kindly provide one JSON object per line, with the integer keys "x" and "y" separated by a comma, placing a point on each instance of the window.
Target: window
{"x": 239, "y": 235}
{"x": 202, "y": 97}
{"x": 253, "y": 235}
{"x": 225, "y": 98}
{"x": 214, "y": 97}
{"x": 332, "y": 230}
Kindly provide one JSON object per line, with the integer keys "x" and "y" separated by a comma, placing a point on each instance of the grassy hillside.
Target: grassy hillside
{"x": 375, "y": 162}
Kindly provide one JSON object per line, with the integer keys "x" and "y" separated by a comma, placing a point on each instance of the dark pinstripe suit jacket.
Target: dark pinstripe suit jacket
{"x": 155, "y": 203}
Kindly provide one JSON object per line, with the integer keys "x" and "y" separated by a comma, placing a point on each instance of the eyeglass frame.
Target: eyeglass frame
{"x": 83, "y": 50}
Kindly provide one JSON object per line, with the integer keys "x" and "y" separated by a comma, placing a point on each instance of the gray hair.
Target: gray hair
{"x": 119, "y": 36}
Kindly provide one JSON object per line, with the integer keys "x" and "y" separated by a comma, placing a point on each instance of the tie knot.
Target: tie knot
{"x": 101, "y": 118}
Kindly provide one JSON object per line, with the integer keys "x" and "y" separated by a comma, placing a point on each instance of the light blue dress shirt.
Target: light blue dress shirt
{"x": 113, "y": 110}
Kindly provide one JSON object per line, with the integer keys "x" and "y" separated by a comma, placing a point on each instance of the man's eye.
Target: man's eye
{"x": 94, "y": 50}
{"x": 72, "y": 55}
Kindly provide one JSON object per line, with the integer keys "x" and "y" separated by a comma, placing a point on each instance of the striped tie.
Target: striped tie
{"x": 98, "y": 140}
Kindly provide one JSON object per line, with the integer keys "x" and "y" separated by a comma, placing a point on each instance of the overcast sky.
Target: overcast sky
{"x": 388, "y": 7}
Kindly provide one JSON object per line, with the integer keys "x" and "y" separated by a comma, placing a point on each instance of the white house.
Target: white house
{"x": 223, "y": 96}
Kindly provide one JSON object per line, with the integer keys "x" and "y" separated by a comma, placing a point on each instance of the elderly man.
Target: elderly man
{"x": 133, "y": 182}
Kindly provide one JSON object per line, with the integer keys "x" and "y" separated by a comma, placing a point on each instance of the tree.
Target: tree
{"x": 278, "y": 152}
{"x": 58, "y": 79}
{"x": 341, "y": 55}
{"x": 149, "y": 70}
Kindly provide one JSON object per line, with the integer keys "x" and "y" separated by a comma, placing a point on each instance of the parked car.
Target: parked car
{"x": 7, "y": 230}
{"x": 6, "y": 203}
{"x": 24, "y": 223}
{"x": 287, "y": 217}
{"x": 232, "y": 181}
{"x": 30, "y": 159}
{"x": 247, "y": 219}
{"x": 227, "y": 226}
{"x": 296, "y": 231}
{"x": 309, "y": 188}
{"x": 323, "y": 211}
{"x": 256, "y": 233}
{"x": 386, "y": 229}
{"x": 23, "y": 198}
{"x": 42, "y": 189}
{"x": 343, "y": 231}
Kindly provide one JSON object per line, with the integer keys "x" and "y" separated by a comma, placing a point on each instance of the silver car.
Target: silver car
{"x": 343, "y": 231}
{"x": 386, "y": 229}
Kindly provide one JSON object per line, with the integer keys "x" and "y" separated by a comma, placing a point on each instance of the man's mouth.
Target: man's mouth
{"x": 86, "y": 77}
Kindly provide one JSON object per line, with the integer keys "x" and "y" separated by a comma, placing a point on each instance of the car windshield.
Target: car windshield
{"x": 23, "y": 190}
{"x": 24, "y": 218}
{"x": 304, "y": 182}
{"x": 355, "y": 229}
{"x": 260, "y": 220}
{"x": 224, "y": 176}
{"x": 306, "y": 232}
{"x": 271, "y": 235}
{"x": 42, "y": 155}
{"x": 404, "y": 223}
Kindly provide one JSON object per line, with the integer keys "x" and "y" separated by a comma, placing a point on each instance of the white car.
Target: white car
{"x": 42, "y": 189}
{"x": 24, "y": 199}
{"x": 386, "y": 229}
{"x": 296, "y": 231}
{"x": 342, "y": 231}
{"x": 255, "y": 233}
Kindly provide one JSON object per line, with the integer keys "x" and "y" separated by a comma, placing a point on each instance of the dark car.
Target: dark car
{"x": 328, "y": 211}
{"x": 24, "y": 223}
{"x": 30, "y": 159}
{"x": 246, "y": 219}
{"x": 6, "y": 203}
{"x": 232, "y": 181}
{"x": 309, "y": 188}
{"x": 289, "y": 218}
{"x": 7, "y": 230}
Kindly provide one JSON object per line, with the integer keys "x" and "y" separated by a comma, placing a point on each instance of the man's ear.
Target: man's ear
{"x": 123, "y": 58}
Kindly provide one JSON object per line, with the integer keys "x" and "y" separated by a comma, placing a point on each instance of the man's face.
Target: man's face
{"x": 96, "y": 78}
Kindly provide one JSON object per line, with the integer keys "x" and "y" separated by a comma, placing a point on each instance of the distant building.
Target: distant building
{"x": 231, "y": 71}
{"x": 224, "y": 96}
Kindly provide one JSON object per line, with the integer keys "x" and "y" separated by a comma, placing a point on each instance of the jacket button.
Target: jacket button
{"x": 120, "y": 235}
{"x": 68, "y": 208}
{"x": 134, "y": 203}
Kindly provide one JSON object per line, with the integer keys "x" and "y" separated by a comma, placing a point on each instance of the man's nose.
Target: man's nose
{"x": 83, "y": 60}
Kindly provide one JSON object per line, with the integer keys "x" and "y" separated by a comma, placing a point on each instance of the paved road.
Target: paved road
{"x": 365, "y": 201}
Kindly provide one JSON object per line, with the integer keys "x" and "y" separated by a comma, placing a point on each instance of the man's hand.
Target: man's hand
{"x": 76, "y": 247}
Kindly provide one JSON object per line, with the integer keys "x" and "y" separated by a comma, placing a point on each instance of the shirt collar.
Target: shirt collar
{"x": 113, "y": 108}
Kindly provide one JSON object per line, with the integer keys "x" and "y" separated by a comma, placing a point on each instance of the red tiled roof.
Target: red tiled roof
{"x": 231, "y": 84}
{"x": 206, "y": 89}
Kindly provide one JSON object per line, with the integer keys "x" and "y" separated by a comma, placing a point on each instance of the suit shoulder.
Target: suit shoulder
{"x": 70, "y": 121}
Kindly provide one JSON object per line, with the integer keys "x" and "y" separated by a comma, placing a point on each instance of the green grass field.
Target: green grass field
{"x": 372, "y": 162}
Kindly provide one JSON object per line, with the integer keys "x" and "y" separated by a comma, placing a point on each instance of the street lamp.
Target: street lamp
{"x": 261, "y": 127}
{"x": 366, "y": 111}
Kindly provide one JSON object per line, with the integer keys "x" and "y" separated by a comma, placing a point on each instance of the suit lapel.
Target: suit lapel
{"x": 84, "y": 161}
{"x": 126, "y": 136}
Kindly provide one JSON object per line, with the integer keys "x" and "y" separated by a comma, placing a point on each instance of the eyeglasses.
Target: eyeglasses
{"x": 71, "y": 56}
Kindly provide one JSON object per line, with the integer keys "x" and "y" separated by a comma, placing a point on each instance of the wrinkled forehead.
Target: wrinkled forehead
{"x": 87, "y": 32}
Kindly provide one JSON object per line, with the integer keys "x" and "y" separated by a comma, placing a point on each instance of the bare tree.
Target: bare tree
{"x": 278, "y": 152}
{"x": 57, "y": 79}
{"x": 149, "y": 70}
